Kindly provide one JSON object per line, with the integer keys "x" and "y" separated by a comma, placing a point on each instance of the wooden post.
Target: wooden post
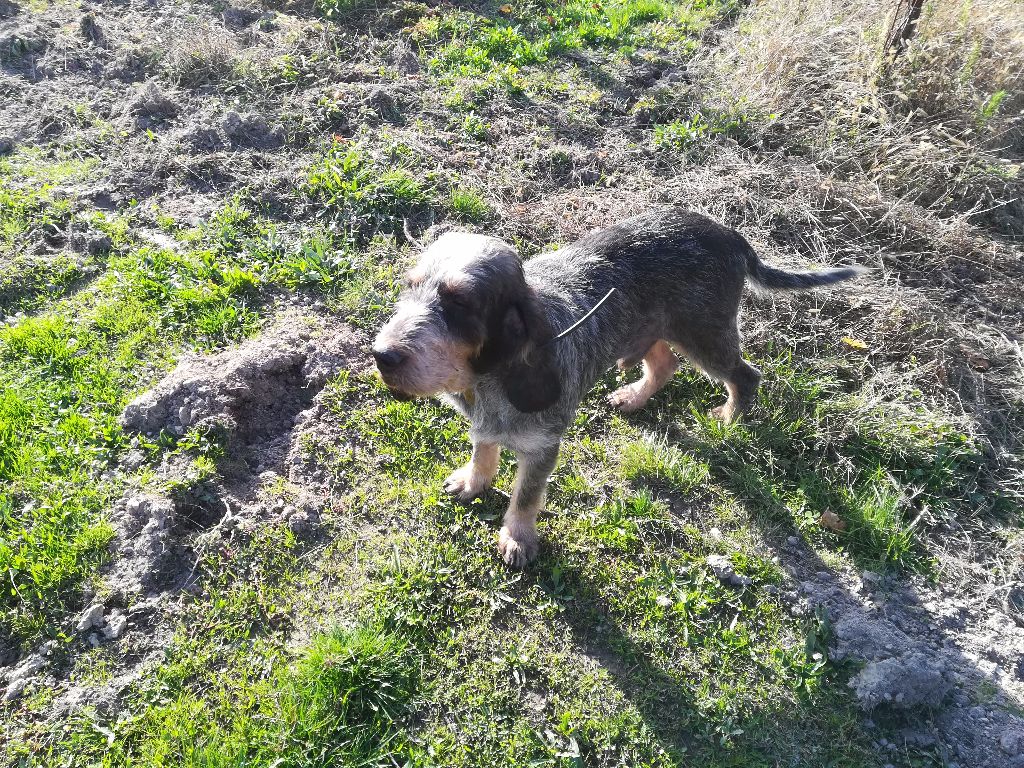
{"x": 904, "y": 25}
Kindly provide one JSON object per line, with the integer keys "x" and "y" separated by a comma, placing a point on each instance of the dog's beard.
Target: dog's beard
{"x": 400, "y": 395}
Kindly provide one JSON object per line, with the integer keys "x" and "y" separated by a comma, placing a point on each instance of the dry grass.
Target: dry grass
{"x": 940, "y": 125}
{"x": 201, "y": 54}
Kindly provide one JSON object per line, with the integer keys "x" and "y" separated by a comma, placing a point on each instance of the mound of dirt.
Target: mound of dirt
{"x": 150, "y": 102}
{"x": 255, "y": 399}
{"x": 260, "y": 399}
{"x": 925, "y": 657}
{"x": 252, "y": 391}
{"x": 251, "y": 130}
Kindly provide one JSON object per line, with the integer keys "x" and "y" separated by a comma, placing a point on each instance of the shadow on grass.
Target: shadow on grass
{"x": 805, "y": 455}
{"x": 810, "y": 451}
{"x": 767, "y": 733}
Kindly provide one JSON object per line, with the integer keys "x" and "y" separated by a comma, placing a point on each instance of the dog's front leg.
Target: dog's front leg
{"x": 470, "y": 481}
{"x": 518, "y": 540}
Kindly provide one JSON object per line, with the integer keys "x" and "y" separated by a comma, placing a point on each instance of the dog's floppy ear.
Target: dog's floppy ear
{"x": 528, "y": 375}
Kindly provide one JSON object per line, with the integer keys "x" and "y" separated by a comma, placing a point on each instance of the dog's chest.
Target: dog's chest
{"x": 494, "y": 420}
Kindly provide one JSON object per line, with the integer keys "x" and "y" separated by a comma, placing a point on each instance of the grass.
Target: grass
{"x": 358, "y": 190}
{"x": 886, "y": 473}
{"x": 68, "y": 372}
{"x": 395, "y": 636}
{"x": 443, "y": 657}
{"x": 470, "y": 44}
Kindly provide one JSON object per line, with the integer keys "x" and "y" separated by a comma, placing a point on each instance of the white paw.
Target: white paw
{"x": 465, "y": 484}
{"x": 724, "y": 413}
{"x": 518, "y": 547}
{"x": 627, "y": 399}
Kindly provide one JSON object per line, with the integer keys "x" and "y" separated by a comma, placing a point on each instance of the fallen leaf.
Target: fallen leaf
{"x": 505, "y": 8}
{"x": 832, "y": 521}
{"x": 853, "y": 343}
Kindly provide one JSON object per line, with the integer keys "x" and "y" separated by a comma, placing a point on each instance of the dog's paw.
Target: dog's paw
{"x": 518, "y": 547}
{"x": 725, "y": 413}
{"x": 465, "y": 484}
{"x": 627, "y": 399}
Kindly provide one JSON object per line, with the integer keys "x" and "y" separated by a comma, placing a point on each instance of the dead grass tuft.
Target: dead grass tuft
{"x": 201, "y": 55}
{"x": 940, "y": 126}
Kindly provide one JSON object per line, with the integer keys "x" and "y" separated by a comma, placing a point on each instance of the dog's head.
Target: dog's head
{"x": 466, "y": 310}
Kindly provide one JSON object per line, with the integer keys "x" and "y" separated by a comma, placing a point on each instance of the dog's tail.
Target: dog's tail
{"x": 773, "y": 279}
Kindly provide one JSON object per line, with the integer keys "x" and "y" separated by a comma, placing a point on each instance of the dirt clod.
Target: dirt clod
{"x": 116, "y": 624}
{"x": 912, "y": 681}
{"x": 723, "y": 569}
{"x": 251, "y": 130}
{"x": 92, "y": 617}
{"x": 252, "y": 391}
{"x": 92, "y": 31}
{"x": 149, "y": 101}
{"x": 383, "y": 104}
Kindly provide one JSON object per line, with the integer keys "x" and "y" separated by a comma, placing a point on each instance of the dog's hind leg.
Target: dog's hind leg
{"x": 716, "y": 351}
{"x": 659, "y": 364}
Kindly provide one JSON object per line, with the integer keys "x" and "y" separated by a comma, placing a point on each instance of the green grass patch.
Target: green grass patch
{"x": 35, "y": 220}
{"x": 66, "y": 374}
{"x": 468, "y": 44}
{"x": 684, "y": 135}
{"x": 467, "y": 205}
{"x": 362, "y": 191}
{"x": 811, "y": 447}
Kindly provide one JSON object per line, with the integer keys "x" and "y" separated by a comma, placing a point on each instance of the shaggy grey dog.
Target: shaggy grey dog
{"x": 476, "y": 324}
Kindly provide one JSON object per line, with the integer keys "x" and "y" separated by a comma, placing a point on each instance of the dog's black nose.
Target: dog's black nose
{"x": 387, "y": 359}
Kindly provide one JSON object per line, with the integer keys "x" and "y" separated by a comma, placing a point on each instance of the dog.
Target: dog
{"x": 480, "y": 327}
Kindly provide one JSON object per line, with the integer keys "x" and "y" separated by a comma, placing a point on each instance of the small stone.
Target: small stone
{"x": 15, "y": 689}
{"x": 723, "y": 569}
{"x": 715, "y": 534}
{"x": 6, "y": 146}
{"x": 116, "y": 624}
{"x": 92, "y": 617}
{"x": 94, "y": 640}
{"x": 27, "y": 668}
{"x": 1011, "y": 741}
{"x": 793, "y": 541}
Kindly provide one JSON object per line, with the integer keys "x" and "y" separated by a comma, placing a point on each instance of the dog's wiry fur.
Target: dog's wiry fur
{"x": 476, "y": 324}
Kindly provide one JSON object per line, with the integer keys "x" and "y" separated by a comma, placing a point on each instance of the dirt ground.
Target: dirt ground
{"x": 167, "y": 111}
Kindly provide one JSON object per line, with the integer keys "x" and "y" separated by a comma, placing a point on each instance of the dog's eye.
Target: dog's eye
{"x": 455, "y": 299}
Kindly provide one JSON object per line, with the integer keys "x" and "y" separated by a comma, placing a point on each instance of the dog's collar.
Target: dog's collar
{"x": 581, "y": 321}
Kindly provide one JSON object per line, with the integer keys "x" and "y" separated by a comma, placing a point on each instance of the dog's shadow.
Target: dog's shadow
{"x": 761, "y": 470}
